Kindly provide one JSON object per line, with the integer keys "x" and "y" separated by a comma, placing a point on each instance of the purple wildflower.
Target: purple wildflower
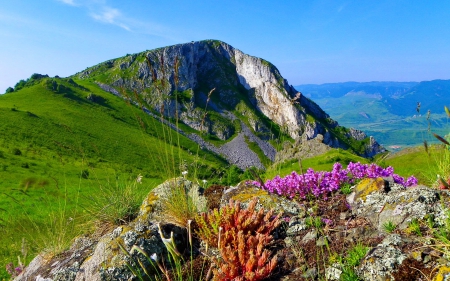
{"x": 327, "y": 221}
{"x": 322, "y": 183}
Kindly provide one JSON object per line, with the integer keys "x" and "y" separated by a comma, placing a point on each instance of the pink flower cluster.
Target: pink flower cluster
{"x": 322, "y": 183}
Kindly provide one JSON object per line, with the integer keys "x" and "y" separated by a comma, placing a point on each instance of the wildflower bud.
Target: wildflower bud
{"x": 139, "y": 179}
{"x": 189, "y": 232}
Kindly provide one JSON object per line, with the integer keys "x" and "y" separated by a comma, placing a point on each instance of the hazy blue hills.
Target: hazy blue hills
{"x": 386, "y": 110}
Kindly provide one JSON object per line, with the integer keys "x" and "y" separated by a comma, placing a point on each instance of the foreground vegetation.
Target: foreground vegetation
{"x": 62, "y": 144}
{"x": 53, "y": 226}
{"x": 65, "y": 172}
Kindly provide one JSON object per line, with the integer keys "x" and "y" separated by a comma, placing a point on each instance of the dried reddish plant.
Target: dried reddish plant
{"x": 241, "y": 236}
{"x": 209, "y": 224}
{"x": 243, "y": 257}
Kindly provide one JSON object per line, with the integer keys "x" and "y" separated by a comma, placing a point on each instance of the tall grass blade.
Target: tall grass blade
{"x": 447, "y": 111}
{"x": 441, "y": 139}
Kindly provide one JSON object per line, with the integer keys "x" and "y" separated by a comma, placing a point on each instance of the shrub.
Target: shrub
{"x": 19, "y": 85}
{"x": 16, "y": 151}
{"x": 38, "y": 76}
{"x": 61, "y": 88}
{"x": 95, "y": 98}
{"x": 85, "y": 174}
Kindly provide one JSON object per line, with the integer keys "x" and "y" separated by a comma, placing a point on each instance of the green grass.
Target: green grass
{"x": 389, "y": 226}
{"x": 58, "y": 149}
{"x": 416, "y": 161}
{"x": 322, "y": 162}
{"x": 351, "y": 260}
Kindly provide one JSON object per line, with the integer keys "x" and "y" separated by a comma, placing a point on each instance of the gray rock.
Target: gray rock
{"x": 311, "y": 274}
{"x": 311, "y": 235}
{"x": 322, "y": 241}
{"x": 333, "y": 272}
{"x": 31, "y": 269}
{"x": 396, "y": 204}
{"x": 382, "y": 260}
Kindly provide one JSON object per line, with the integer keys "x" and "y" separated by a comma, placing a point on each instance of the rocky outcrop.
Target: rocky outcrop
{"x": 302, "y": 149}
{"x": 313, "y": 232}
{"x": 100, "y": 258}
{"x": 176, "y": 81}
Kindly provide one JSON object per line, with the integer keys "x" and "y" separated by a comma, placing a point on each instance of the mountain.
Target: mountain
{"x": 250, "y": 101}
{"x": 386, "y": 110}
{"x": 230, "y": 103}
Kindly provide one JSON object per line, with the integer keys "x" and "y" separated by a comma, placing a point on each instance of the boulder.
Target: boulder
{"x": 382, "y": 201}
{"x": 101, "y": 258}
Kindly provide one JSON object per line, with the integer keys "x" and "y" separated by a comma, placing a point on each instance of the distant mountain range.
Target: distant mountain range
{"x": 395, "y": 113}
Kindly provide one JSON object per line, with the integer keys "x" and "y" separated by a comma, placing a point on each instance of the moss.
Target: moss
{"x": 310, "y": 119}
{"x": 265, "y": 199}
{"x": 367, "y": 186}
{"x": 148, "y": 206}
{"x": 244, "y": 196}
{"x": 417, "y": 255}
{"x": 443, "y": 274}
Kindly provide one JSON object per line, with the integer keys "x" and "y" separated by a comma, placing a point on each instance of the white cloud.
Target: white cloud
{"x": 111, "y": 16}
{"x": 100, "y": 11}
{"x": 68, "y": 2}
{"x": 108, "y": 15}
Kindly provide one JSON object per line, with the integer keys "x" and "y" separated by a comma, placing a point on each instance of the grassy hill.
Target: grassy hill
{"x": 65, "y": 143}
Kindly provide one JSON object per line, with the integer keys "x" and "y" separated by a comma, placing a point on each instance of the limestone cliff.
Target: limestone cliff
{"x": 176, "y": 81}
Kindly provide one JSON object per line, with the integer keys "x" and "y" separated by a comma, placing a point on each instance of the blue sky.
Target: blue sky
{"x": 309, "y": 41}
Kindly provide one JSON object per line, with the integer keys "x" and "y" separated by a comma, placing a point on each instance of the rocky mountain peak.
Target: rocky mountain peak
{"x": 177, "y": 81}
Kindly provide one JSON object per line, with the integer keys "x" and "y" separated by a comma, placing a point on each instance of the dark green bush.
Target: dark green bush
{"x": 16, "y": 151}
{"x": 85, "y": 174}
{"x": 36, "y": 76}
{"x": 61, "y": 89}
{"x": 19, "y": 85}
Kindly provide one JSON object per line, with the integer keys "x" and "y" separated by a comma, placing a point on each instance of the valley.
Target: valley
{"x": 388, "y": 111}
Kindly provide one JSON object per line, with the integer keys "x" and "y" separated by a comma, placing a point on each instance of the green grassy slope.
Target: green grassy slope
{"x": 424, "y": 166}
{"x": 57, "y": 148}
{"x": 322, "y": 162}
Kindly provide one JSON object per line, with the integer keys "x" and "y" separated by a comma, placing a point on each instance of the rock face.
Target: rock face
{"x": 177, "y": 81}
